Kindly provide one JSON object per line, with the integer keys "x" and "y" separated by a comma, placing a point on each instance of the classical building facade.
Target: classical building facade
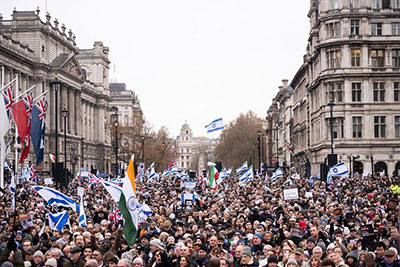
{"x": 41, "y": 52}
{"x": 194, "y": 152}
{"x": 352, "y": 61}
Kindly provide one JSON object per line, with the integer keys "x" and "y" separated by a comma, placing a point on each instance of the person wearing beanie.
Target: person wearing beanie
{"x": 272, "y": 261}
{"x": 291, "y": 263}
{"x": 51, "y": 262}
{"x": 247, "y": 259}
{"x": 201, "y": 255}
{"x": 38, "y": 259}
{"x": 257, "y": 243}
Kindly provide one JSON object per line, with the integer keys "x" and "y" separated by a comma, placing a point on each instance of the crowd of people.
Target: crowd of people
{"x": 351, "y": 222}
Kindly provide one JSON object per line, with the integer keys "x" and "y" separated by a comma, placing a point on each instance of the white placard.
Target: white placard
{"x": 308, "y": 194}
{"x": 48, "y": 181}
{"x": 80, "y": 190}
{"x": 289, "y": 194}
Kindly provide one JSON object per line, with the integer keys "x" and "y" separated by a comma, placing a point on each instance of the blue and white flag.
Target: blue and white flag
{"x": 12, "y": 190}
{"x": 82, "y": 215}
{"x": 215, "y": 125}
{"x": 247, "y": 175}
{"x": 174, "y": 170}
{"x": 339, "y": 170}
{"x": 225, "y": 173}
{"x": 277, "y": 174}
{"x": 242, "y": 168}
{"x": 59, "y": 220}
{"x": 190, "y": 185}
{"x": 183, "y": 176}
{"x": 56, "y": 198}
{"x": 150, "y": 169}
{"x": 187, "y": 196}
{"x": 114, "y": 190}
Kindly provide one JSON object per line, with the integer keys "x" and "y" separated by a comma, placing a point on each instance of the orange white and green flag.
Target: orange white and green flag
{"x": 128, "y": 204}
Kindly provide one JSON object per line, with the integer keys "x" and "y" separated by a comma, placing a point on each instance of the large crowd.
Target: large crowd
{"x": 351, "y": 222}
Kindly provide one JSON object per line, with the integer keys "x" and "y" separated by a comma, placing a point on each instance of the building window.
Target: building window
{"x": 336, "y": 92}
{"x": 187, "y": 132}
{"x": 377, "y": 57}
{"x": 376, "y": 4}
{"x": 356, "y": 92}
{"x": 355, "y": 4}
{"x": 334, "y": 4}
{"x": 357, "y": 127}
{"x": 183, "y": 164}
{"x": 187, "y": 157}
{"x": 182, "y": 158}
{"x": 396, "y": 3}
{"x": 187, "y": 138}
{"x": 334, "y": 29}
{"x": 354, "y": 27}
{"x": 379, "y": 91}
{"x": 396, "y": 58}
{"x": 376, "y": 29}
{"x": 338, "y": 128}
{"x": 188, "y": 150}
{"x": 380, "y": 126}
{"x": 333, "y": 59}
{"x": 396, "y": 28}
{"x": 181, "y": 150}
{"x": 396, "y": 91}
{"x": 386, "y": 4}
{"x": 355, "y": 57}
{"x": 397, "y": 126}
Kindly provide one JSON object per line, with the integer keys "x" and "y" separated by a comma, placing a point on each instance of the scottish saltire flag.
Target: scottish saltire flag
{"x": 225, "y": 173}
{"x": 113, "y": 189}
{"x": 82, "y": 215}
{"x": 59, "y": 220}
{"x": 277, "y": 174}
{"x": 56, "y": 198}
{"x": 339, "y": 170}
{"x": 247, "y": 175}
{"x": 38, "y": 129}
{"x": 215, "y": 125}
{"x": 242, "y": 168}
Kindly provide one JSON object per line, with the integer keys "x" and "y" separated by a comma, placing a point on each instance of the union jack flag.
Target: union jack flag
{"x": 93, "y": 179}
{"x": 32, "y": 175}
{"x": 28, "y": 105}
{"x": 117, "y": 216}
{"x": 8, "y": 101}
{"x": 42, "y": 106}
{"x": 172, "y": 164}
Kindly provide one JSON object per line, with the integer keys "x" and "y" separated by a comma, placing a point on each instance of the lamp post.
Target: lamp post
{"x": 259, "y": 149}
{"x": 114, "y": 118}
{"x": 142, "y": 137}
{"x": 64, "y": 113}
{"x": 56, "y": 84}
{"x": 277, "y": 144}
{"x": 331, "y": 104}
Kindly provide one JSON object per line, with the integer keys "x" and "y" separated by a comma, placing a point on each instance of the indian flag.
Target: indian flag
{"x": 214, "y": 177}
{"x": 128, "y": 204}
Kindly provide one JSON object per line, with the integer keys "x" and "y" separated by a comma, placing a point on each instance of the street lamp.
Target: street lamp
{"x": 277, "y": 144}
{"x": 64, "y": 113}
{"x": 143, "y": 148}
{"x": 331, "y": 104}
{"x": 56, "y": 84}
{"x": 259, "y": 149}
{"x": 114, "y": 118}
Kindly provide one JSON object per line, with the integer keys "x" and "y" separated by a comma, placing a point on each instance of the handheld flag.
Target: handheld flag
{"x": 82, "y": 215}
{"x": 59, "y": 220}
{"x": 52, "y": 158}
{"x": 339, "y": 170}
{"x": 214, "y": 177}
{"x": 277, "y": 174}
{"x": 56, "y": 198}
{"x": 215, "y": 126}
{"x": 242, "y": 168}
{"x": 128, "y": 204}
{"x": 113, "y": 189}
{"x": 247, "y": 175}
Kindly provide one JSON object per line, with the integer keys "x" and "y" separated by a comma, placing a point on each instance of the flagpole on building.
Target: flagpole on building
{"x": 2, "y": 152}
{"x": 16, "y": 136}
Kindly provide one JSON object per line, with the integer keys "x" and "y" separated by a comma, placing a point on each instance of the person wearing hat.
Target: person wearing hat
{"x": 247, "y": 258}
{"x": 299, "y": 257}
{"x": 201, "y": 253}
{"x": 291, "y": 263}
{"x": 257, "y": 243}
{"x": 310, "y": 244}
{"x": 75, "y": 257}
{"x": 157, "y": 246}
{"x": 51, "y": 263}
{"x": 38, "y": 259}
{"x": 389, "y": 260}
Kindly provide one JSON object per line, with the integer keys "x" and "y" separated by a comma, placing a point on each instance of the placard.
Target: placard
{"x": 48, "y": 181}
{"x": 289, "y": 194}
{"x": 309, "y": 194}
{"x": 80, "y": 190}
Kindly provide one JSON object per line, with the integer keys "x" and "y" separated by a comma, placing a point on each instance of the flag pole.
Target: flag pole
{"x": 16, "y": 136}
{"x": 39, "y": 96}
{"x": 2, "y": 152}
{"x": 25, "y": 92}
{"x": 2, "y": 83}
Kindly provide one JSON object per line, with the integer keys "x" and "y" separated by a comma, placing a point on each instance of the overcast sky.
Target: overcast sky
{"x": 190, "y": 60}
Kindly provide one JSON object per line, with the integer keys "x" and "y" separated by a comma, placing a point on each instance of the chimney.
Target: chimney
{"x": 285, "y": 83}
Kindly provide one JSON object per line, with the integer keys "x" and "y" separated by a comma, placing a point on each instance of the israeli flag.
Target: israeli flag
{"x": 215, "y": 125}
{"x": 82, "y": 215}
{"x": 187, "y": 196}
{"x": 242, "y": 168}
{"x": 225, "y": 173}
{"x": 174, "y": 170}
{"x": 113, "y": 189}
{"x": 190, "y": 185}
{"x": 56, "y": 198}
{"x": 277, "y": 174}
{"x": 247, "y": 175}
{"x": 183, "y": 176}
{"x": 59, "y": 220}
{"x": 339, "y": 170}
{"x": 12, "y": 190}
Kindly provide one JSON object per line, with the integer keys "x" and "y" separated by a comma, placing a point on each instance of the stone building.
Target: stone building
{"x": 353, "y": 61}
{"x": 194, "y": 152}
{"x": 41, "y": 52}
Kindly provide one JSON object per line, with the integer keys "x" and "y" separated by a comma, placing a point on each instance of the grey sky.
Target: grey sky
{"x": 189, "y": 60}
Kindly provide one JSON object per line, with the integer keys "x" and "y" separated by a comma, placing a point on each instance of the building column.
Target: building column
{"x": 78, "y": 115}
{"x": 71, "y": 109}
